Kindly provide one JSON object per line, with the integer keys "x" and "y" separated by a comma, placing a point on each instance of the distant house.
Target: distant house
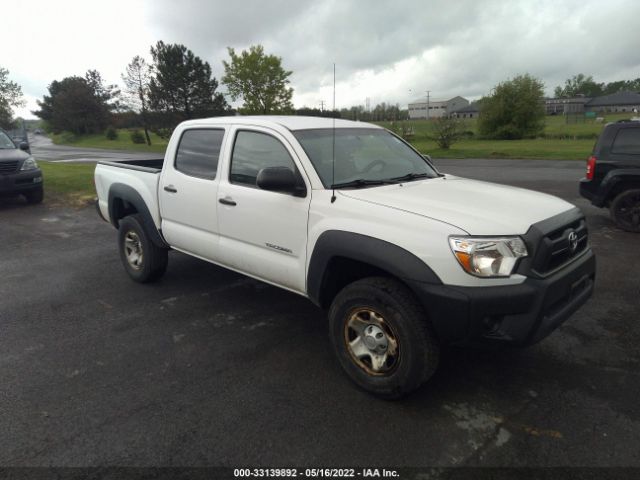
{"x": 431, "y": 108}
{"x": 470, "y": 111}
{"x": 616, "y": 102}
{"x": 562, "y": 106}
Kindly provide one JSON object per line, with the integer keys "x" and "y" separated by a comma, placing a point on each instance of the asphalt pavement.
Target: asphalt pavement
{"x": 209, "y": 368}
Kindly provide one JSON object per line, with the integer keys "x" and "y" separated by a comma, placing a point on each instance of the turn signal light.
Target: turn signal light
{"x": 591, "y": 167}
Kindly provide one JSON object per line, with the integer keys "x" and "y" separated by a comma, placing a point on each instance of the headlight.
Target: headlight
{"x": 488, "y": 257}
{"x": 29, "y": 164}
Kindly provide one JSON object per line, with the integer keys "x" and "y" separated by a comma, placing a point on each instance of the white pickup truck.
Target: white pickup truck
{"x": 404, "y": 258}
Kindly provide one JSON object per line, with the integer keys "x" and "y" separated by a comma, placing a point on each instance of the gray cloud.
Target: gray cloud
{"x": 387, "y": 50}
{"x": 463, "y": 47}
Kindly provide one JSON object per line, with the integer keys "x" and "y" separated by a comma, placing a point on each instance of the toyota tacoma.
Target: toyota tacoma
{"x": 403, "y": 258}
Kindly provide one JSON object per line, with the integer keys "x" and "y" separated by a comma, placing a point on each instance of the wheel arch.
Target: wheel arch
{"x": 615, "y": 183}
{"x": 125, "y": 200}
{"x": 341, "y": 257}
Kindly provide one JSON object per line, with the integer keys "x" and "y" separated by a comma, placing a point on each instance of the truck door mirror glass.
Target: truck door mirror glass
{"x": 281, "y": 179}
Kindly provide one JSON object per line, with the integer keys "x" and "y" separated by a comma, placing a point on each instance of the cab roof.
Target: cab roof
{"x": 291, "y": 122}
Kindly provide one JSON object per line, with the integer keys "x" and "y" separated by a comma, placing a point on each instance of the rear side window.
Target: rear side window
{"x": 254, "y": 151}
{"x": 199, "y": 152}
{"x": 627, "y": 141}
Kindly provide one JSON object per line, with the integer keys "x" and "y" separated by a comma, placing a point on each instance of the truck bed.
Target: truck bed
{"x": 153, "y": 165}
{"x": 141, "y": 176}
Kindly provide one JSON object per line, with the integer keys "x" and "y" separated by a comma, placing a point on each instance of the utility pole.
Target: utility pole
{"x": 322, "y": 105}
{"x": 428, "y": 92}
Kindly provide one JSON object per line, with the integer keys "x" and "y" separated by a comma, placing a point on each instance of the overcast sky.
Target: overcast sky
{"x": 392, "y": 51}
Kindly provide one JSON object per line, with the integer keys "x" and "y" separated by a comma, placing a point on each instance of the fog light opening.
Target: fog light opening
{"x": 492, "y": 324}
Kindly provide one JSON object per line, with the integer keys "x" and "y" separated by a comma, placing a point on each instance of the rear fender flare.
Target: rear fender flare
{"x": 120, "y": 191}
{"x": 612, "y": 180}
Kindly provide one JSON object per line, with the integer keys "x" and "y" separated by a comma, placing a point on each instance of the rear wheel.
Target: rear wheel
{"x": 382, "y": 337}
{"x": 142, "y": 259}
{"x": 35, "y": 196}
{"x": 625, "y": 210}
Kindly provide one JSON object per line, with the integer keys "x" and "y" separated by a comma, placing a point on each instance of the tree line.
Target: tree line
{"x": 582, "y": 84}
{"x": 176, "y": 86}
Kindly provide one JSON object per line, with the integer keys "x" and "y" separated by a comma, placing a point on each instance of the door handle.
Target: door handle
{"x": 227, "y": 201}
{"x": 170, "y": 189}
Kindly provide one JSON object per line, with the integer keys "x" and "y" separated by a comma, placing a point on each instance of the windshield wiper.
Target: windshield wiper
{"x": 411, "y": 176}
{"x": 361, "y": 182}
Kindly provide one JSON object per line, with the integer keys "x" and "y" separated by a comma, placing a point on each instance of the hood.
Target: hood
{"x": 479, "y": 208}
{"x": 11, "y": 154}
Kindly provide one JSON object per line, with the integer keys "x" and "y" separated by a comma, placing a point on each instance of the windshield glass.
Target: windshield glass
{"x": 362, "y": 154}
{"x": 5, "y": 142}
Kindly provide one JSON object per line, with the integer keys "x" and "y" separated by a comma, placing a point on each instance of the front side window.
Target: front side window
{"x": 627, "y": 141}
{"x": 254, "y": 151}
{"x": 199, "y": 152}
{"x": 361, "y": 154}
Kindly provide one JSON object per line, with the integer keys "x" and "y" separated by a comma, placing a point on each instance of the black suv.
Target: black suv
{"x": 613, "y": 173}
{"x": 19, "y": 172}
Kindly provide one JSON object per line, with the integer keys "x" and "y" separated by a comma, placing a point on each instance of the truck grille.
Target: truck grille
{"x": 554, "y": 243}
{"x": 560, "y": 247}
{"x": 8, "y": 167}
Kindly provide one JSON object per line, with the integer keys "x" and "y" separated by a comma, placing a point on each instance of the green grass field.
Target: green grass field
{"x": 68, "y": 183}
{"x": 123, "y": 142}
{"x": 559, "y": 141}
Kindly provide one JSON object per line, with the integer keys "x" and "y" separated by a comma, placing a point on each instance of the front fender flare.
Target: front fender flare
{"x": 378, "y": 253}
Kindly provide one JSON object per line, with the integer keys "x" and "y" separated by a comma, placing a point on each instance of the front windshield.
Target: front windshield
{"x": 362, "y": 154}
{"x": 5, "y": 142}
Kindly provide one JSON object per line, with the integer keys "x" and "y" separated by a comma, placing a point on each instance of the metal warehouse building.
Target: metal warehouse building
{"x": 427, "y": 108}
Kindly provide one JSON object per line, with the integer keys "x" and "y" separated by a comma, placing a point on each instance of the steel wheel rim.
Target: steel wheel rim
{"x": 133, "y": 250}
{"x": 628, "y": 211}
{"x": 370, "y": 341}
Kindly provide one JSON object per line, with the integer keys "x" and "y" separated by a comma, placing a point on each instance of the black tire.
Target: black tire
{"x": 404, "y": 321}
{"x": 35, "y": 196}
{"x": 133, "y": 240}
{"x": 625, "y": 210}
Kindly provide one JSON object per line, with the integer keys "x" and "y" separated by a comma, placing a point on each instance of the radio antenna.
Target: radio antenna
{"x": 333, "y": 139}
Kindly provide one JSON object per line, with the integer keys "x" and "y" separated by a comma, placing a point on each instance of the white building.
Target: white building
{"x": 432, "y": 108}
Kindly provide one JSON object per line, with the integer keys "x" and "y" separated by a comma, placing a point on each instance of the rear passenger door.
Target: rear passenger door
{"x": 188, "y": 193}
{"x": 263, "y": 233}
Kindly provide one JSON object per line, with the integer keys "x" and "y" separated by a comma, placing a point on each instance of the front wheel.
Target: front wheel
{"x": 142, "y": 259}
{"x": 382, "y": 337}
{"x": 625, "y": 210}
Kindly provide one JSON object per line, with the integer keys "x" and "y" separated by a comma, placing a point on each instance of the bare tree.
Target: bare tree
{"x": 136, "y": 80}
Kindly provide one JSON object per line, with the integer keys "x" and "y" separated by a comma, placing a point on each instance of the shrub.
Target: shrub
{"x": 446, "y": 131}
{"x": 137, "y": 137}
{"x": 514, "y": 110}
{"x": 164, "y": 133}
{"x": 111, "y": 133}
{"x": 67, "y": 137}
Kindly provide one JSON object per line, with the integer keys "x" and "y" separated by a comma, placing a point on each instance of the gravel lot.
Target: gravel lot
{"x": 207, "y": 367}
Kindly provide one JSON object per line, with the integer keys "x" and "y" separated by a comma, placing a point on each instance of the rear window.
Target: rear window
{"x": 627, "y": 141}
{"x": 198, "y": 152}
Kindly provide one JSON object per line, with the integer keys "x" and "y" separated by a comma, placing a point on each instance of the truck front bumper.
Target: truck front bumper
{"x": 21, "y": 182}
{"x": 520, "y": 314}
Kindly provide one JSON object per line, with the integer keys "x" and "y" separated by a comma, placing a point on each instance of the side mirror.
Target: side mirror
{"x": 24, "y": 146}
{"x": 282, "y": 180}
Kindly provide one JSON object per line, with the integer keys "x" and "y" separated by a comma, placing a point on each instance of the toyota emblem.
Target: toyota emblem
{"x": 573, "y": 241}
